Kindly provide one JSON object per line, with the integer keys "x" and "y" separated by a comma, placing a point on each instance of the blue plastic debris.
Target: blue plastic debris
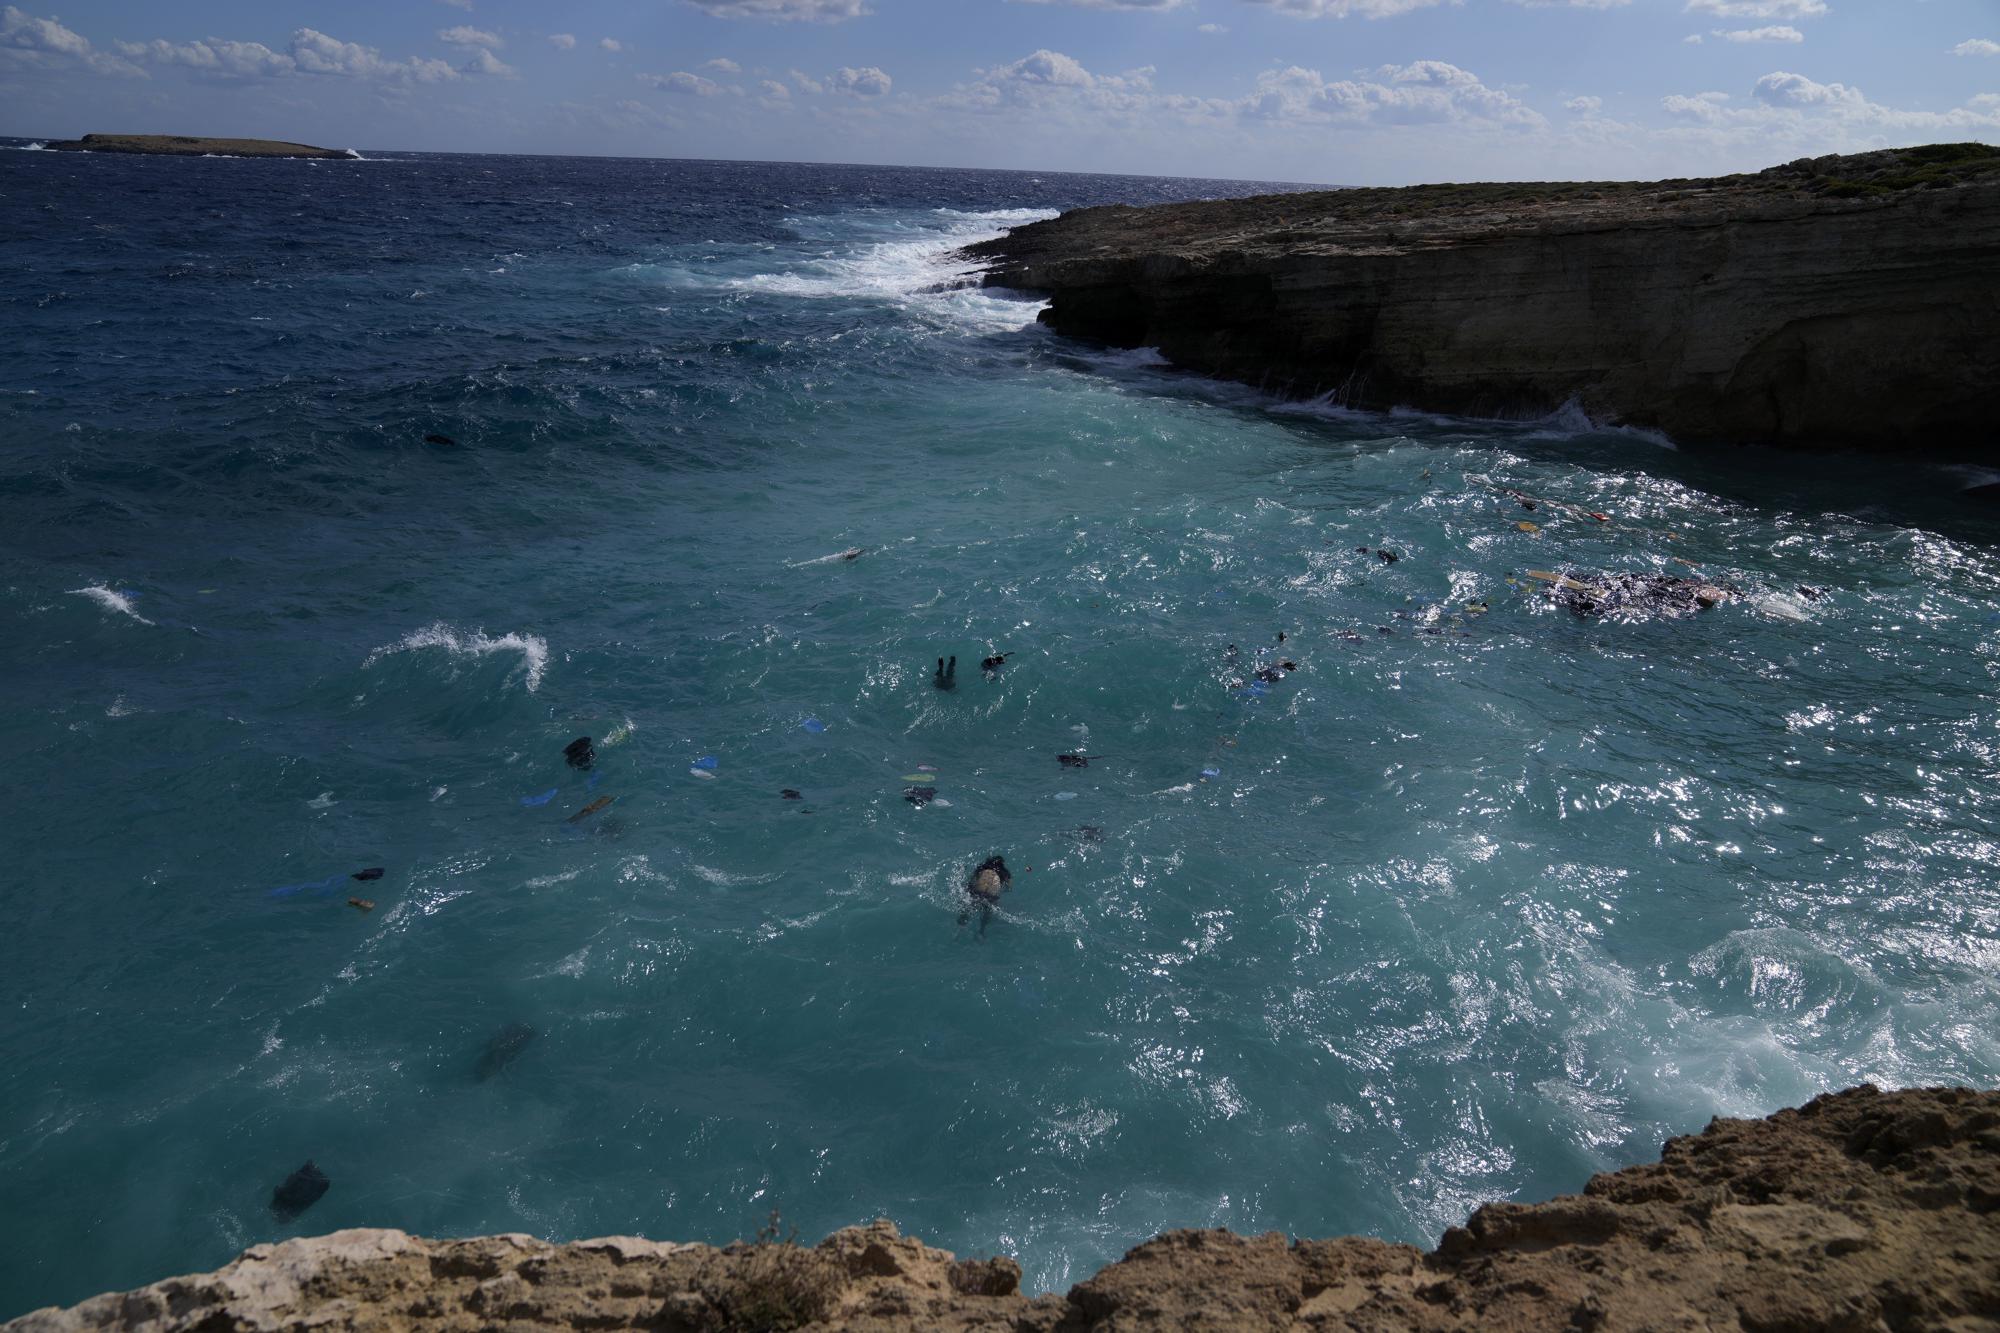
{"x": 542, "y": 799}
{"x": 814, "y": 725}
{"x": 706, "y": 761}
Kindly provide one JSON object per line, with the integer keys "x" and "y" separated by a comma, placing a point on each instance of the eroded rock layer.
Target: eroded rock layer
{"x": 1839, "y": 302}
{"x": 1861, "y": 1210}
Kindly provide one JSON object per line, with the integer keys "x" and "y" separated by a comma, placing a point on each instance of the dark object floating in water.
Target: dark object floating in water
{"x": 947, "y": 674}
{"x": 994, "y": 663}
{"x": 791, "y": 794}
{"x": 989, "y": 880}
{"x": 502, "y": 1049}
{"x": 372, "y": 872}
{"x": 1813, "y": 594}
{"x": 920, "y": 796}
{"x": 362, "y": 904}
{"x": 440, "y": 439}
{"x": 1643, "y": 594}
{"x": 1089, "y": 833}
{"x": 590, "y": 809}
{"x": 1387, "y": 557}
{"x": 580, "y": 753}
{"x": 299, "y": 1191}
{"x": 1080, "y": 760}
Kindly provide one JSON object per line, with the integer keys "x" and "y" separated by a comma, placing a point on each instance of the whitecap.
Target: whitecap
{"x": 110, "y": 600}
{"x": 534, "y": 649}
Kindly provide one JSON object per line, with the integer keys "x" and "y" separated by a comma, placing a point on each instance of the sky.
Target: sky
{"x": 1353, "y": 92}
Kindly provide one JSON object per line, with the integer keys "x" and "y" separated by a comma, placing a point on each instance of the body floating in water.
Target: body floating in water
{"x": 298, "y": 1192}
{"x": 947, "y": 674}
{"x": 502, "y": 1049}
{"x": 989, "y": 879}
{"x": 579, "y": 753}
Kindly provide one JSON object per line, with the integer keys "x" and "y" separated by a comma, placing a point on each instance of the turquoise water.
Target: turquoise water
{"x": 1466, "y": 909}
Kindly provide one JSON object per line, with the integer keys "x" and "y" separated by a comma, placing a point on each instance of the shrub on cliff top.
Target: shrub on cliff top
{"x": 775, "y": 1284}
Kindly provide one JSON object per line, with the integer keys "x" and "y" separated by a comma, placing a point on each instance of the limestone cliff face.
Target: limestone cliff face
{"x": 1859, "y": 1211}
{"x": 1835, "y": 303}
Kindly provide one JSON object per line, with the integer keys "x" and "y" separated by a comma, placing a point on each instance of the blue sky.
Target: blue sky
{"x": 1344, "y": 91}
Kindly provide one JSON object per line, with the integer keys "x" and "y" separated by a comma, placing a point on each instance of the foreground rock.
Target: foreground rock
{"x": 180, "y": 145}
{"x": 1860, "y": 1211}
{"x": 1833, "y": 302}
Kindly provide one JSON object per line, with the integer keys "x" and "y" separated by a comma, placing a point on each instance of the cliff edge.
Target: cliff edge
{"x": 1862, "y": 1211}
{"x": 1833, "y": 302}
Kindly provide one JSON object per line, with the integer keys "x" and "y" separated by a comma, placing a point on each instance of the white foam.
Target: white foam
{"x": 917, "y": 272}
{"x": 110, "y": 601}
{"x": 534, "y": 649}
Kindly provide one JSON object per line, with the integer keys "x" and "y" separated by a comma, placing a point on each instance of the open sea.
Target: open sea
{"x": 1478, "y": 900}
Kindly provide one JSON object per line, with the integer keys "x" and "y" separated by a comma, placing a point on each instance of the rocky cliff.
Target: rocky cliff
{"x": 1860, "y": 1211}
{"x": 182, "y": 145}
{"x": 1839, "y": 302}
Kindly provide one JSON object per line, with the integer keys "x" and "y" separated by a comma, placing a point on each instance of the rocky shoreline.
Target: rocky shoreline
{"x": 181, "y": 145}
{"x": 1862, "y": 1210}
{"x": 1838, "y": 302}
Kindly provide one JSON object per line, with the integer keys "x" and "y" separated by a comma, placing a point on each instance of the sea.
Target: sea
{"x": 337, "y": 499}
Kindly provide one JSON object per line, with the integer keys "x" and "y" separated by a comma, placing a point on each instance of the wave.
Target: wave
{"x": 110, "y": 600}
{"x": 534, "y": 649}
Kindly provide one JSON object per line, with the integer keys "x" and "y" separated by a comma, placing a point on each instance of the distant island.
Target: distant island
{"x": 181, "y": 145}
{"x": 1829, "y": 303}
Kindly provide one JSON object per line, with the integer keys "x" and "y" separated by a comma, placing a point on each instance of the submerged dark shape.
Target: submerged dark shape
{"x": 439, "y": 439}
{"x": 580, "y": 753}
{"x": 1089, "y": 833}
{"x": 502, "y": 1049}
{"x": 590, "y": 809}
{"x": 362, "y": 904}
{"x": 994, "y": 663}
{"x": 1638, "y": 594}
{"x": 920, "y": 796}
{"x": 1387, "y": 557}
{"x": 1080, "y": 760}
{"x": 372, "y": 872}
{"x": 947, "y": 674}
{"x": 791, "y": 794}
{"x": 298, "y": 1192}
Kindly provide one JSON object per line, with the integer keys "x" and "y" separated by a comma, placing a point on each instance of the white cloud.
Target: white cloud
{"x": 313, "y": 52}
{"x": 1212, "y": 29}
{"x": 214, "y": 58}
{"x": 680, "y": 81}
{"x": 723, "y": 65}
{"x": 484, "y": 62}
{"x": 867, "y": 81}
{"x": 467, "y": 35}
{"x": 1340, "y": 9}
{"x": 1759, "y": 9}
{"x": 1784, "y": 33}
{"x": 806, "y": 83}
{"x": 1584, "y": 106}
{"x": 1706, "y": 108}
{"x": 1790, "y": 112}
{"x": 1156, "y": 6}
{"x": 1425, "y": 91}
{"x": 1976, "y": 46}
{"x": 774, "y": 90}
{"x": 611, "y": 43}
{"x": 44, "y": 43}
{"x": 563, "y": 41}
{"x": 458, "y": 4}
{"x": 1573, "y": 4}
{"x": 1783, "y": 89}
{"x": 1692, "y": 39}
{"x": 784, "y": 11}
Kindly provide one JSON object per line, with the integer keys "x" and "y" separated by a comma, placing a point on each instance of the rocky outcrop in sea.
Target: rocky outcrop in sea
{"x": 1863, "y": 1210}
{"x": 1834, "y": 302}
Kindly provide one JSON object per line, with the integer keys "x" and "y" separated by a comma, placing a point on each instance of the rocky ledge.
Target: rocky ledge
{"x": 1834, "y": 302}
{"x": 1862, "y": 1210}
{"x": 181, "y": 145}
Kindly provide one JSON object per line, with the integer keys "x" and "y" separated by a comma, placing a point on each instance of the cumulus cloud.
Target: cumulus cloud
{"x": 1976, "y": 46}
{"x": 1424, "y": 91}
{"x": 457, "y": 4}
{"x": 484, "y": 62}
{"x": 774, "y": 90}
{"x": 680, "y": 81}
{"x": 1790, "y": 107}
{"x": 723, "y": 65}
{"x": 467, "y": 35}
{"x": 1784, "y": 33}
{"x": 314, "y": 52}
{"x": 214, "y": 58}
{"x": 1156, "y": 6}
{"x": 1706, "y": 108}
{"x": 1212, "y": 29}
{"x": 1783, "y": 89}
{"x": 27, "y": 41}
{"x": 611, "y": 43}
{"x": 563, "y": 41}
{"x": 867, "y": 81}
{"x": 1584, "y": 106}
{"x": 1573, "y": 4}
{"x": 784, "y": 11}
{"x": 1759, "y": 9}
{"x": 1340, "y": 9}
{"x": 806, "y": 83}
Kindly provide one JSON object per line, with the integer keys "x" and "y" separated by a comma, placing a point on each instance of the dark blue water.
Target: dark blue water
{"x": 1473, "y": 903}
